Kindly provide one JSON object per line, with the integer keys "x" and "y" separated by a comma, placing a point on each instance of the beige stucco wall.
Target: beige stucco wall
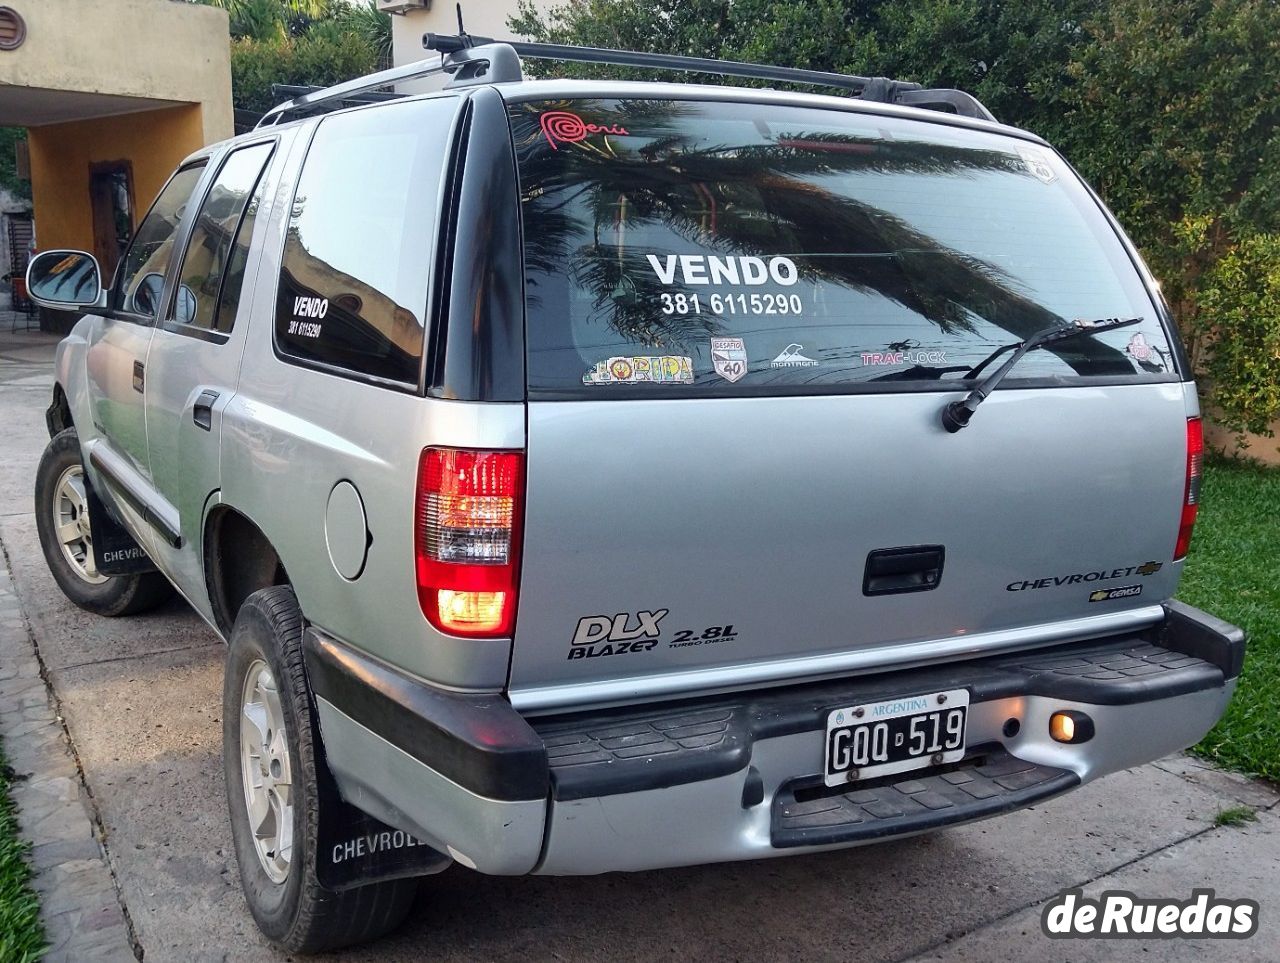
{"x": 486, "y": 18}
{"x": 1265, "y": 450}
{"x": 162, "y": 49}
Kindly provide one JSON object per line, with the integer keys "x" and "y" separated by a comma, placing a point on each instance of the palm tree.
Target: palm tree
{"x": 272, "y": 19}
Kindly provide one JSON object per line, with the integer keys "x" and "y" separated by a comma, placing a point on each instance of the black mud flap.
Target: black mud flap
{"x": 355, "y": 848}
{"x": 114, "y": 550}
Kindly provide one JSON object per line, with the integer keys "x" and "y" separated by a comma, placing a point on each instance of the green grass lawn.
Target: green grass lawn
{"x": 1232, "y": 571}
{"x": 21, "y": 936}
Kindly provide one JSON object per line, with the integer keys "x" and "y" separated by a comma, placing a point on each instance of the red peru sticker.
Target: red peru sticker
{"x": 562, "y": 127}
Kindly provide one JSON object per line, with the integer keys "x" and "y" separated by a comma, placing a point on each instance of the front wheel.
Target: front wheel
{"x": 62, "y": 521}
{"x": 270, "y": 743}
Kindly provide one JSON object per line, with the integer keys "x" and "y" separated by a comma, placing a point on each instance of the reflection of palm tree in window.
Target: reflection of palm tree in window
{"x": 759, "y": 200}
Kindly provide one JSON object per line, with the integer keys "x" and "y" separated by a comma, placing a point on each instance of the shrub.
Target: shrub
{"x": 1238, "y": 318}
{"x": 317, "y": 58}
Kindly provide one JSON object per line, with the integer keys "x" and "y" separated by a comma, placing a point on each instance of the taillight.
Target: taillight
{"x": 1191, "y": 497}
{"x": 467, "y": 539}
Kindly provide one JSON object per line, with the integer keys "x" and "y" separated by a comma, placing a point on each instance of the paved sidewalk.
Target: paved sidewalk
{"x": 82, "y": 915}
{"x": 142, "y": 702}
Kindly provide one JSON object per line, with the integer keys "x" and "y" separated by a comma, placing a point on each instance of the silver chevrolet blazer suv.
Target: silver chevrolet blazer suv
{"x": 593, "y": 476}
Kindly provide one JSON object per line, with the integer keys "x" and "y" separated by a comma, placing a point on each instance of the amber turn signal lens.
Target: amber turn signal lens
{"x": 1071, "y": 727}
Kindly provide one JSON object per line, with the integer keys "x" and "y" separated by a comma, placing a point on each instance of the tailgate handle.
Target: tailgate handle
{"x": 913, "y": 568}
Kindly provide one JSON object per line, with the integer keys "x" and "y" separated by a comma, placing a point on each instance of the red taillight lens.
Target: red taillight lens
{"x": 467, "y": 539}
{"x": 1191, "y": 498}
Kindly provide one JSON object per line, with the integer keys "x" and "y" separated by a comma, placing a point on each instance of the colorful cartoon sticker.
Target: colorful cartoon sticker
{"x": 668, "y": 369}
{"x": 729, "y": 358}
{"x": 1138, "y": 348}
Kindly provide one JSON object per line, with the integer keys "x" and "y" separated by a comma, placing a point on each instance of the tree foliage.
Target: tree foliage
{"x": 302, "y": 43}
{"x": 320, "y": 60}
{"x": 9, "y": 179}
{"x": 1170, "y": 108}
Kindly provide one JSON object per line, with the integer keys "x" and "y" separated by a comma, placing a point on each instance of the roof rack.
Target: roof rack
{"x": 483, "y": 60}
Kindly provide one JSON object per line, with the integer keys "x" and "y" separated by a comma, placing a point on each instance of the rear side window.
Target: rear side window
{"x": 710, "y": 247}
{"x": 143, "y": 270}
{"x": 359, "y": 252}
{"x": 213, "y": 269}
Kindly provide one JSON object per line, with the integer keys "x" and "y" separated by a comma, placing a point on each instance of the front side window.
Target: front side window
{"x": 695, "y": 247}
{"x": 142, "y": 276}
{"x": 213, "y": 268}
{"x": 359, "y": 251}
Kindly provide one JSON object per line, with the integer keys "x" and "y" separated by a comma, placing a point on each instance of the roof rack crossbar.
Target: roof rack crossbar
{"x": 352, "y": 90}
{"x": 877, "y": 89}
{"x": 654, "y": 61}
{"x": 483, "y": 60}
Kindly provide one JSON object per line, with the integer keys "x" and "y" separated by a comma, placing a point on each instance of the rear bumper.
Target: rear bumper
{"x": 738, "y": 776}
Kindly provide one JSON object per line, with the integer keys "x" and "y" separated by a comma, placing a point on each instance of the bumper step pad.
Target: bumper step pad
{"x": 914, "y": 802}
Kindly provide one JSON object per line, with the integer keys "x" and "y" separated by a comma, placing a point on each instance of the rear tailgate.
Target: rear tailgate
{"x": 736, "y": 378}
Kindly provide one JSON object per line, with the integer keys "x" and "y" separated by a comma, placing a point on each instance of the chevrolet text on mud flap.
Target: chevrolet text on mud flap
{"x": 371, "y": 843}
{"x": 659, "y": 343}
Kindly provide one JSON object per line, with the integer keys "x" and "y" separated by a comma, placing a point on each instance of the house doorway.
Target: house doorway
{"x": 111, "y": 197}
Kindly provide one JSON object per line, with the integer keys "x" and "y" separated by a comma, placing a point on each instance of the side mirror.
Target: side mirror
{"x": 185, "y": 305}
{"x": 146, "y": 295}
{"x": 66, "y": 280}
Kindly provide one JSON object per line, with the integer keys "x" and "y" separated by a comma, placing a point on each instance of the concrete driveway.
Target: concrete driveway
{"x": 141, "y": 699}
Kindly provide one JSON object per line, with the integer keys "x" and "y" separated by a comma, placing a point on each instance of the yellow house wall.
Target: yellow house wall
{"x": 154, "y": 143}
{"x": 157, "y": 49}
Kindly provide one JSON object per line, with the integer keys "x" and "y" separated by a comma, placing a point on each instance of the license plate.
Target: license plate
{"x": 883, "y": 738}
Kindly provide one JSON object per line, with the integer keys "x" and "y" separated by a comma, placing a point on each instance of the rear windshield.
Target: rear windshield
{"x": 677, "y": 247}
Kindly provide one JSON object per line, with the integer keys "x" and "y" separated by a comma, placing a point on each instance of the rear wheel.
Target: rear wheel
{"x": 62, "y": 521}
{"x": 273, "y": 776}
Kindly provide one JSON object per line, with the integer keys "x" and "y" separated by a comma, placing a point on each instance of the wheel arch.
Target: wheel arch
{"x": 58, "y": 415}
{"x": 239, "y": 559}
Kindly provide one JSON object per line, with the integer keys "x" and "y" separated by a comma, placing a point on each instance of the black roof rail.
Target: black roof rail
{"x": 482, "y": 60}
{"x": 353, "y": 91}
{"x": 878, "y": 89}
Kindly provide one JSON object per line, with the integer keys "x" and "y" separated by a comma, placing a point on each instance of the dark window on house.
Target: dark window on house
{"x": 213, "y": 268}
{"x": 358, "y": 255}
{"x": 142, "y": 278}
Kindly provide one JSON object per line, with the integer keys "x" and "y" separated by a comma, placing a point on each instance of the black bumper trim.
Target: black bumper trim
{"x": 614, "y": 751}
{"x": 478, "y": 741}
{"x": 1196, "y": 633}
{"x": 992, "y": 783}
{"x": 484, "y": 745}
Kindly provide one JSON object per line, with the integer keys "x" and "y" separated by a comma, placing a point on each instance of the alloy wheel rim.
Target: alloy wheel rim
{"x": 265, "y": 772}
{"x": 71, "y": 525}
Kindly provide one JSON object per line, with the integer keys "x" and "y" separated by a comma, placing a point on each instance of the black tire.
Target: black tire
{"x": 116, "y": 594}
{"x": 298, "y": 914}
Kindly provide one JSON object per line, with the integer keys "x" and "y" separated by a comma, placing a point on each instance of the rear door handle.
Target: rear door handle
{"x": 912, "y": 568}
{"x": 202, "y": 411}
{"x": 139, "y": 377}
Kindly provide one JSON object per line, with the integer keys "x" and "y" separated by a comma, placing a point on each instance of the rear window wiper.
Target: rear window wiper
{"x": 957, "y": 414}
